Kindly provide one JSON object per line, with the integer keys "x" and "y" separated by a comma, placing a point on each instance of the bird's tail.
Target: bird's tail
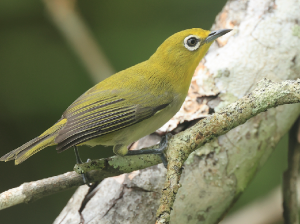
{"x": 35, "y": 145}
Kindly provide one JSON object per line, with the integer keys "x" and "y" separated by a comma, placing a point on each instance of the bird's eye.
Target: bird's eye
{"x": 192, "y": 42}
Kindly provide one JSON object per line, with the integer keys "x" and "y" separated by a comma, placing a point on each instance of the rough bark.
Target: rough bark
{"x": 265, "y": 44}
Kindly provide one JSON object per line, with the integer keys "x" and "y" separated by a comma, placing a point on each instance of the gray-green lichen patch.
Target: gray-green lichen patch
{"x": 88, "y": 166}
{"x": 222, "y": 72}
{"x": 296, "y": 30}
{"x": 128, "y": 164}
{"x": 119, "y": 164}
{"x": 211, "y": 147}
{"x": 226, "y": 99}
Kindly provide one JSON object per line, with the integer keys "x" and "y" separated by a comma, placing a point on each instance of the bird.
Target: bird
{"x": 129, "y": 104}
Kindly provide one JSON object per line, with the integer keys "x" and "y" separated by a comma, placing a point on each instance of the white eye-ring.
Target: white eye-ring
{"x": 191, "y": 42}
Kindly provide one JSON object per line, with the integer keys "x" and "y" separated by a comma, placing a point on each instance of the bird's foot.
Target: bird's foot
{"x": 79, "y": 161}
{"x": 159, "y": 151}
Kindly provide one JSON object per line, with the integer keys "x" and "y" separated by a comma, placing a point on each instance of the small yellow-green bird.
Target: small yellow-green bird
{"x": 130, "y": 104}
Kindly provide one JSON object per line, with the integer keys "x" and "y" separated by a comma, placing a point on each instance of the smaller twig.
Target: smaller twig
{"x": 116, "y": 165}
{"x": 32, "y": 191}
{"x": 289, "y": 185}
{"x": 108, "y": 167}
{"x": 72, "y": 26}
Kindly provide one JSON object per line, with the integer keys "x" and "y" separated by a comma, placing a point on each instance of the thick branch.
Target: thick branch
{"x": 268, "y": 94}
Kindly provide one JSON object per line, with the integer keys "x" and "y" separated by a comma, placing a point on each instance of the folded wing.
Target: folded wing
{"x": 103, "y": 113}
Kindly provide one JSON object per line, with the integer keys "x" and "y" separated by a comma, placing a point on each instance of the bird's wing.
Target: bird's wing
{"x": 100, "y": 113}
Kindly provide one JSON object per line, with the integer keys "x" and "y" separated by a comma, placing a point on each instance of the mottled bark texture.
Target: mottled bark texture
{"x": 265, "y": 43}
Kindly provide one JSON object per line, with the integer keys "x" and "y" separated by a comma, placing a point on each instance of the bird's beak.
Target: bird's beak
{"x": 215, "y": 34}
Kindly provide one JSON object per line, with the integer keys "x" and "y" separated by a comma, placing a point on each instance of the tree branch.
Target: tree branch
{"x": 32, "y": 191}
{"x": 113, "y": 166}
{"x": 267, "y": 94}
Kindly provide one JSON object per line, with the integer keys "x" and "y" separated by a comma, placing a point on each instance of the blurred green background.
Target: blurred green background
{"x": 40, "y": 76}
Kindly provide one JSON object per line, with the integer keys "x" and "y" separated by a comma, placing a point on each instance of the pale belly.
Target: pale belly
{"x": 132, "y": 133}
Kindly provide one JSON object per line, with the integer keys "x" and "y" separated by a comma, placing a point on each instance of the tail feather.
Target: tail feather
{"x": 25, "y": 154}
{"x": 35, "y": 145}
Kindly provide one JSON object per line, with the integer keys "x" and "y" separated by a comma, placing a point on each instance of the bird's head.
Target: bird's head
{"x": 185, "y": 49}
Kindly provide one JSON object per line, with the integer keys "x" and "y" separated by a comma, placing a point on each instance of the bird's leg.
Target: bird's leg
{"x": 159, "y": 151}
{"x": 79, "y": 161}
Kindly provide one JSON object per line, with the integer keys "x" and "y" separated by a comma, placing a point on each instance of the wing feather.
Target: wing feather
{"x": 95, "y": 119}
{"x": 90, "y": 117}
{"x": 95, "y": 131}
